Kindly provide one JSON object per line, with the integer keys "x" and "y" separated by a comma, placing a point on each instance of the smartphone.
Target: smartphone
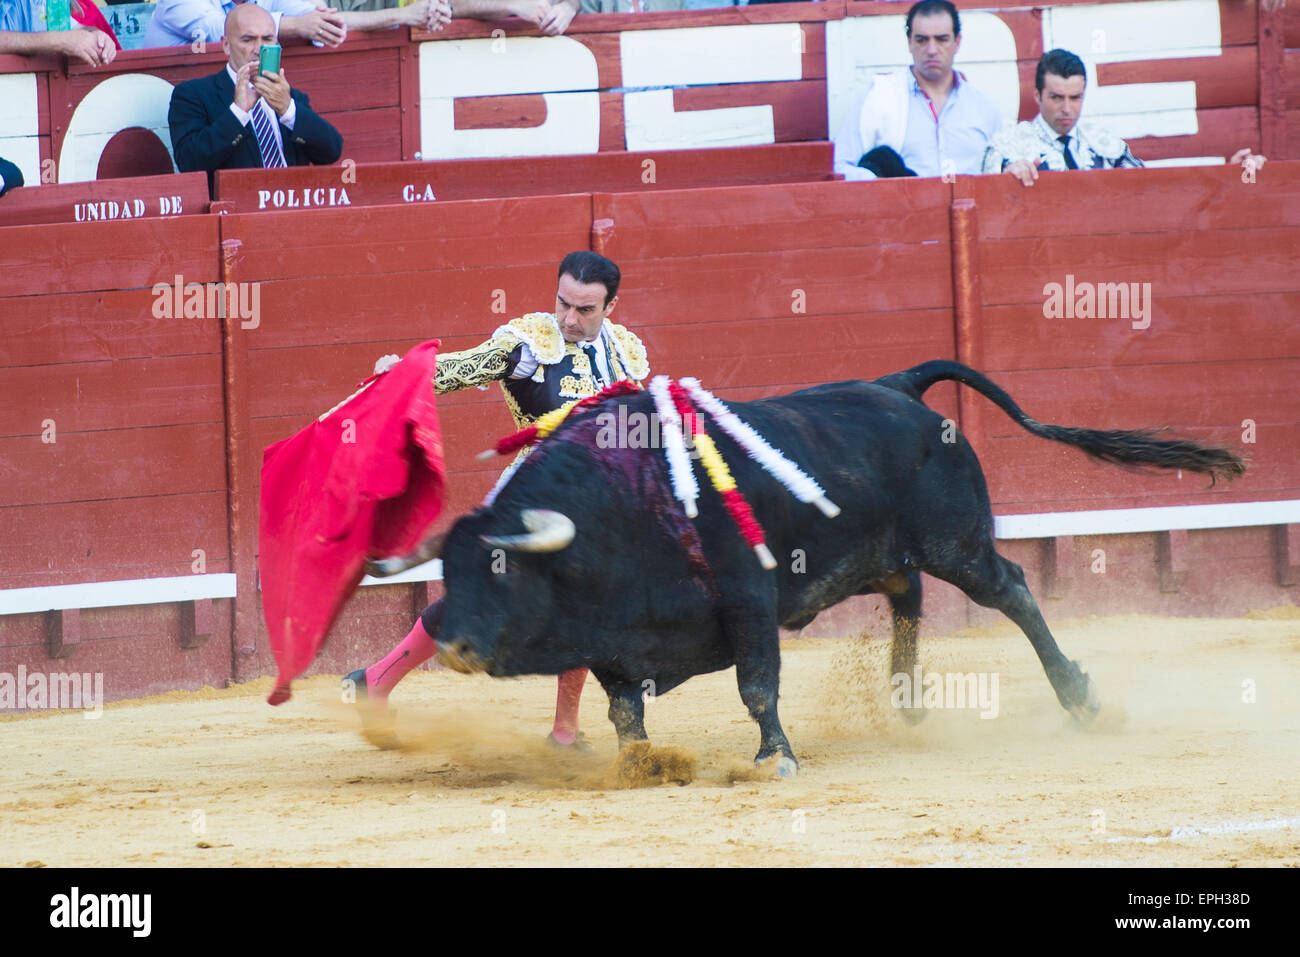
{"x": 268, "y": 60}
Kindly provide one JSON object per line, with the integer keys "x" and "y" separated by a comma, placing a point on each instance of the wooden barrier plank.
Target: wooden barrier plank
{"x": 1291, "y": 26}
{"x": 826, "y": 348}
{"x": 91, "y": 466}
{"x": 135, "y": 650}
{"x": 1027, "y": 475}
{"x": 1241, "y": 261}
{"x": 456, "y": 307}
{"x": 132, "y": 393}
{"x": 369, "y": 136}
{"x": 794, "y": 216}
{"x": 798, "y": 110}
{"x": 1291, "y": 79}
{"x": 373, "y": 184}
{"x": 1162, "y": 200}
{"x": 148, "y": 196}
{"x": 331, "y": 81}
{"x": 112, "y": 255}
{"x": 1183, "y": 329}
{"x": 394, "y": 239}
{"x": 1220, "y": 132}
{"x": 90, "y": 327}
{"x": 1202, "y": 395}
{"x": 70, "y": 542}
{"x": 798, "y": 106}
{"x": 768, "y": 285}
{"x": 1230, "y": 79}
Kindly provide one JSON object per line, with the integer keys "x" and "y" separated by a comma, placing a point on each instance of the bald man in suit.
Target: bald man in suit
{"x": 238, "y": 118}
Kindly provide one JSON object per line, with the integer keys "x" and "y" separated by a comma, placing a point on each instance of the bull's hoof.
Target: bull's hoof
{"x": 1086, "y": 711}
{"x": 780, "y": 765}
{"x": 912, "y": 716}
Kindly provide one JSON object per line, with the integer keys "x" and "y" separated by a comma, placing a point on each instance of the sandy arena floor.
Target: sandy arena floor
{"x": 1181, "y": 772}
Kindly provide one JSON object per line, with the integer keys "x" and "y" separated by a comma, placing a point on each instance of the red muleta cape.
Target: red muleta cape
{"x": 366, "y": 479}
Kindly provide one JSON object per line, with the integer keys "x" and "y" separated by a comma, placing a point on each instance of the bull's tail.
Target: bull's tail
{"x": 1128, "y": 448}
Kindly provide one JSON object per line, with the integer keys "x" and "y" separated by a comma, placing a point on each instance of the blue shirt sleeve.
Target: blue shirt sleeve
{"x": 19, "y": 16}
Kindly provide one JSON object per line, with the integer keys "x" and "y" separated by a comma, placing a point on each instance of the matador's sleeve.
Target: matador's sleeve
{"x": 492, "y": 361}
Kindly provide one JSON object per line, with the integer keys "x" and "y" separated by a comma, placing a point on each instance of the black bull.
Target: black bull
{"x": 647, "y": 598}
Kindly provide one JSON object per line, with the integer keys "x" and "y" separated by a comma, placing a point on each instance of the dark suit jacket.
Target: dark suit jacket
{"x": 206, "y": 135}
{"x": 12, "y": 176}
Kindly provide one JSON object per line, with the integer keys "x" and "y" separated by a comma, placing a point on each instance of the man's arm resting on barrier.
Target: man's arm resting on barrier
{"x": 89, "y": 46}
{"x": 431, "y": 15}
{"x": 551, "y": 18}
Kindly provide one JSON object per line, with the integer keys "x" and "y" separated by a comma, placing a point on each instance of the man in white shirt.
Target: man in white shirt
{"x": 925, "y": 120}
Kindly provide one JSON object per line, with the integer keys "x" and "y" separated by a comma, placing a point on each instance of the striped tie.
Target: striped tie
{"x": 272, "y": 155}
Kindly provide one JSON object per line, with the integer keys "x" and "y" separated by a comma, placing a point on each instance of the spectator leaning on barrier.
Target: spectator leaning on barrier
{"x": 551, "y": 19}
{"x": 633, "y": 6}
{"x": 181, "y": 22}
{"x": 925, "y": 120}
{"x": 1055, "y": 139}
{"x": 11, "y": 177}
{"x": 91, "y": 42}
{"x": 238, "y": 118}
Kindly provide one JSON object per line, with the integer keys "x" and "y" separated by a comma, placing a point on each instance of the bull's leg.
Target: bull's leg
{"x": 905, "y": 603}
{"x": 758, "y": 673}
{"x": 627, "y": 711}
{"x": 997, "y": 583}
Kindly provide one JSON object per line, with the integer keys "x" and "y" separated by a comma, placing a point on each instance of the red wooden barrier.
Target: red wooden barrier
{"x": 1213, "y": 258}
{"x": 111, "y": 445}
{"x": 378, "y": 184}
{"x": 99, "y": 200}
{"x": 756, "y": 289}
{"x": 398, "y": 275}
{"x": 372, "y": 90}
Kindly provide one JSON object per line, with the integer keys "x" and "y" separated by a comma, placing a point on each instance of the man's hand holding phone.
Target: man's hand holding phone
{"x": 274, "y": 88}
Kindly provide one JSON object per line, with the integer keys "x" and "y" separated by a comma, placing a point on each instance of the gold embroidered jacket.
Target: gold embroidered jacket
{"x": 563, "y": 369}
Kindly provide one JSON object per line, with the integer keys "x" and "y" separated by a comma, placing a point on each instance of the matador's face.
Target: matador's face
{"x": 581, "y": 308}
{"x": 1061, "y": 101}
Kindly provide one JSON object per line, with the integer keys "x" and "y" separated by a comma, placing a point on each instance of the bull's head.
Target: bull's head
{"x": 500, "y": 568}
{"x": 581, "y": 556}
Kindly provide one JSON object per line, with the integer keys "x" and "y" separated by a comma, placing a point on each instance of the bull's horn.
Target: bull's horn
{"x": 547, "y": 532}
{"x": 386, "y": 567}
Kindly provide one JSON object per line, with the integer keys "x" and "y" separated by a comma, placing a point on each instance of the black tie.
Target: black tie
{"x": 1065, "y": 148}
{"x": 590, "y": 350}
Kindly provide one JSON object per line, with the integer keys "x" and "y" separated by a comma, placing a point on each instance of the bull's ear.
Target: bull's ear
{"x": 548, "y": 531}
